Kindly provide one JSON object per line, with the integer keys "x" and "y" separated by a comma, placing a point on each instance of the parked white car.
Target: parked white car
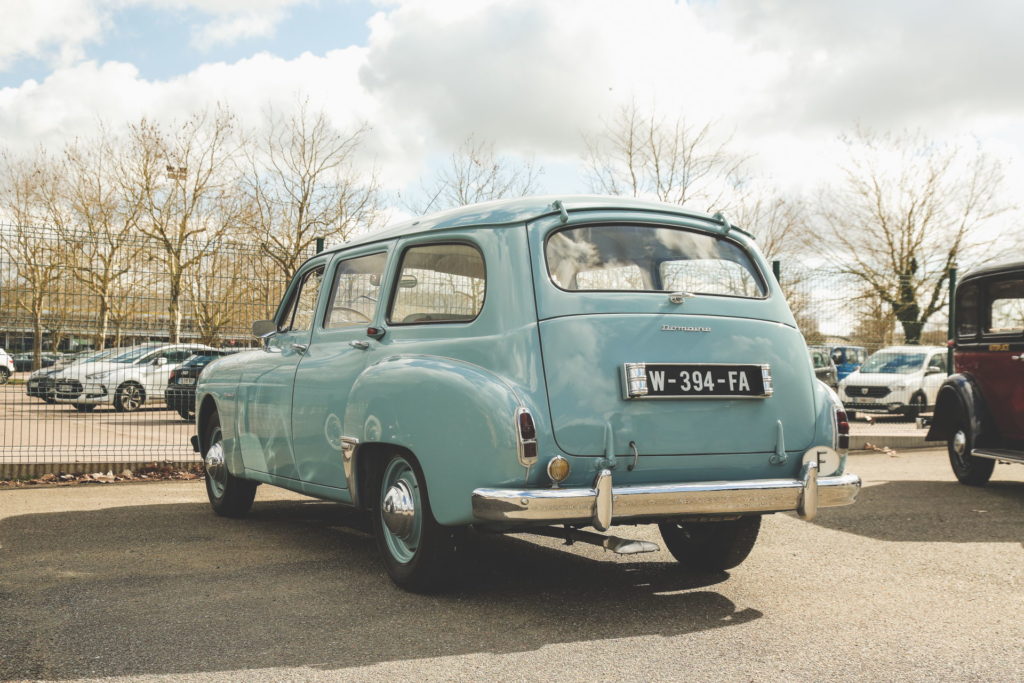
{"x": 6, "y": 366}
{"x": 128, "y": 380}
{"x": 896, "y": 380}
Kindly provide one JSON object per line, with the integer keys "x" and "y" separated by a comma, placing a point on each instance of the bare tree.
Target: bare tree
{"x": 35, "y": 253}
{"x": 302, "y": 184}
{"x": 216, "y": 289}
{"x": 779, "y": 224}
{"x": 907, "y": 209}
{"x": 644, "y": 154}
{"x": 101, "y": 234}
{"x": 180, "y": 186}
{"x": 475, "y": 173}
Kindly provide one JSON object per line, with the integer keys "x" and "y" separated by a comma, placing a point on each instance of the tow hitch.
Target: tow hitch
{"x": 620, "y": 546}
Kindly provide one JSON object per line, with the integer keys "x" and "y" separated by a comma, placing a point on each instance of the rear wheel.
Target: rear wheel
{"x": 229, "y": 495}
{"x": 188, "y": 415}
{"x": 969, "y": 469}
{"x": 5, "y": 375}
{"x": 711, "y": 545}
{"x": 128, "y": 398}
{"x": 418, "y": 552}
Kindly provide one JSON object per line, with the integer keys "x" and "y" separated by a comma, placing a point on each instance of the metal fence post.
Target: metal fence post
{"x": 319, "y": 244}
{"x": 952, "y": 320}
{"x": 777, "y": 271}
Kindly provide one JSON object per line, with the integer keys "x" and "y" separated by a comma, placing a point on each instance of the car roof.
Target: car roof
{"x": 993, "y": 270}
{"x": 504, "y": 212}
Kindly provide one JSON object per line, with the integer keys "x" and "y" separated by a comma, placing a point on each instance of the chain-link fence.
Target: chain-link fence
{"x": 107, "y": 338}
{"x": 101, "y": 332}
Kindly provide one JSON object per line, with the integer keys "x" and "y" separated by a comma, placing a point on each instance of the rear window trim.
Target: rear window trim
{"x": 761, "y": 279}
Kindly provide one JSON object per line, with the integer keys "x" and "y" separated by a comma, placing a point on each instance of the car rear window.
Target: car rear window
{"x": 1006, "y": 307}
{"x": 652, "y": 259}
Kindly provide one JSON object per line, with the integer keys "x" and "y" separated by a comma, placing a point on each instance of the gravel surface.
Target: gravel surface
{"x": 922, "y": 579}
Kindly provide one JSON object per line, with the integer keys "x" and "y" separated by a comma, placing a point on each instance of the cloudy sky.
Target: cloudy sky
{"x": 785, "y": 77}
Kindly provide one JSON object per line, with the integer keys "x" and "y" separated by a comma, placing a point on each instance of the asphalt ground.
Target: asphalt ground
{"x": 922, "y": 579}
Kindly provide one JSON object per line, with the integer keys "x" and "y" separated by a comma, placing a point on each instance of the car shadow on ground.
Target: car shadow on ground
{"x": 934, "y": 511}
{"x": 172, "y": 589}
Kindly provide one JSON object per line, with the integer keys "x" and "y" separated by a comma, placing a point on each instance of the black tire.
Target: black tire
{"x": 711, "y": 546}
{"x": 49, "y": 399}
{"x": 5, "y": 375}
{"x": 969, "y": 469}
{"x": 422, "y": 557}
{"x": 85, "y": 407}
{"x": 129, "y": 397}
{"x": 918, "y": 405}
{"x": 230, "y": 496}
{"x": 187, "y": 415}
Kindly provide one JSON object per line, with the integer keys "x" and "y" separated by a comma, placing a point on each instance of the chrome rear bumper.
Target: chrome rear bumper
{"x": 605, "y": 504}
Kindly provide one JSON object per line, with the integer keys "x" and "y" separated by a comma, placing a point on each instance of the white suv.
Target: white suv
{"x": 128, "y": 380}
{"x": 896, "y": 380}
{"x": 6, "y": 366}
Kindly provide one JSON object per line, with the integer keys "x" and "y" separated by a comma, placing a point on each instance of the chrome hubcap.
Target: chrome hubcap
{"x": 399, "y": 510}
{"x": 216, "y": 471}
{"x": 959, "y": 443}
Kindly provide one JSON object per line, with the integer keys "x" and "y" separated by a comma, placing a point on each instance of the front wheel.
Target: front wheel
{"x": 128, "y": 398}
{"x": 710, "y": 546}
{"x": 418, "y": 552}
{"x": 85, "y": 407}
{"x": 969, "y": 469}
{"x": 229, "y": 495}
{"x": 918, "y": 405}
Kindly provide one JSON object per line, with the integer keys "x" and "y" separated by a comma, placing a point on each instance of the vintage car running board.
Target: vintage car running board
{"x": 620, "y": 546}
{"x": 998, "y": 454}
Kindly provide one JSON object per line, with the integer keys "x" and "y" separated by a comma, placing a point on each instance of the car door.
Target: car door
{"x": 338, "y": 351}
{"x": 998, "y": 364}
{"x": 265, "y": 392}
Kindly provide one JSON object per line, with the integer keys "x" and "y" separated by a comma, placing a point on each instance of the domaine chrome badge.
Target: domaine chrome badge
{"x": 683, "y": 328}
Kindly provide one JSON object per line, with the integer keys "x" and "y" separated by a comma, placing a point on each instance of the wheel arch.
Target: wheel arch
{"x": 455, "y": 418}
{"x": 959, "y": 394}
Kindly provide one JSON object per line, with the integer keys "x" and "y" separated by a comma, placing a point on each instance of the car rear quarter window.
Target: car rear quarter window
{"x": 439, "y": 283}
{"x": 650, "y": 258}
{"x": 1005, "y": 307}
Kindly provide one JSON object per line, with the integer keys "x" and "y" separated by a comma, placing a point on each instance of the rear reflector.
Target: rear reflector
{"x": 843, "y": 430}
{"x": 527, "y": 431}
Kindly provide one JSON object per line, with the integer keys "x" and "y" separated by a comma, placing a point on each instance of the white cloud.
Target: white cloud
{"x": 54, "y": 31}
{"x": 784, "y": 77}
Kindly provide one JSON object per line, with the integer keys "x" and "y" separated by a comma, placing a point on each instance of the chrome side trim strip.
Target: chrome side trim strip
{"x": 566, "y": 505}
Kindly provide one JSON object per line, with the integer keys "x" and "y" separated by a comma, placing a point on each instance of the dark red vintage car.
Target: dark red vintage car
{"x": 980, "y": 409}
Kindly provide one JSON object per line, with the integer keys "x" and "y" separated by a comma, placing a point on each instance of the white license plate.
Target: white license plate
{"x": 65, "y": 388}
{"x": 861, "y": 399}
{"x": 186, "y": 380}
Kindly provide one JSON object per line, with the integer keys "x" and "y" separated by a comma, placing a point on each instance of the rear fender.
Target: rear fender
{"x": 456, "y": 418}
{"x": 960, "y": 394}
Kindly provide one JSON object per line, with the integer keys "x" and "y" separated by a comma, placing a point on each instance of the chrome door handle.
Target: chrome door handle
{"x": 300, "y": 348}
{"x": 359, "y": 344}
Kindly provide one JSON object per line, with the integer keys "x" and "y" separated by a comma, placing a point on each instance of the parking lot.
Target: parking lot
{"x": 922, "y": 579}
{"x": 32, "y": 431}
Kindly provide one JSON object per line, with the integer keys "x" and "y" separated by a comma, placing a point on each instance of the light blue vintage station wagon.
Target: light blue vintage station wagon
{"x": 539, "y": 365}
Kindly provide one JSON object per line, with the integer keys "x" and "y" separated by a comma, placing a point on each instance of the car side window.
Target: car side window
{"x": 967, "y": 312}
{"x": 355, "y": 291}
{"x": 938, "y": 361}
{"x": 302, "y": 309}
{"x": 178, "y": 355}
{"x": 439, "y": 283}
{"x": 1005, "y": 307}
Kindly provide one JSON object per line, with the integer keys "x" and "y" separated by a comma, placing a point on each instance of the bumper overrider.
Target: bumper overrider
{"x": 605, "y": 504}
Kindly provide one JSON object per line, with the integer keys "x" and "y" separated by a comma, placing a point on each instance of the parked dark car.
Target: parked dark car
{"x": 824, "y": 368}
{"x": 980, "y": 408}
{"x": 23, "y": 361}
{"x": 180, "y": 394}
